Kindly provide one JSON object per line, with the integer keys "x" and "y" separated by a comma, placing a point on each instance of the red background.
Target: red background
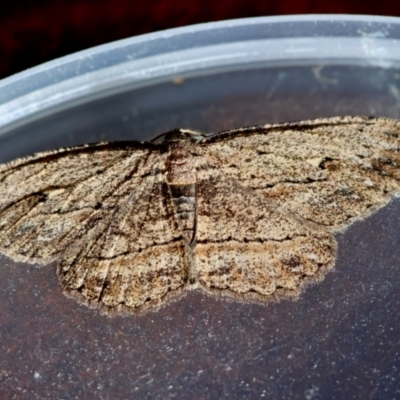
{"x": 35, "y": 31}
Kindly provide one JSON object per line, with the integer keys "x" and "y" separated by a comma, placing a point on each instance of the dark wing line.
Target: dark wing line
{"x": 310, "y": 224}
{"x": 126, "y": 179}
{"x": 117, "y": 209}
{"x": 238, "y": 184}
{"x": 306, "y": 126}
{"x": 47, "y": 156}
{"x": 298, "y": 125}
{"x": 392, "y": 126}
{"x": 16, "y": 165}
{"x": 44, "y": 159}
{"x": 128, "y": 200}
{"x": 22, "y": 216}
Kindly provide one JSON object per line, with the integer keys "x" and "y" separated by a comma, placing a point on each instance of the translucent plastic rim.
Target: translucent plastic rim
{"x": 197, "y": 50}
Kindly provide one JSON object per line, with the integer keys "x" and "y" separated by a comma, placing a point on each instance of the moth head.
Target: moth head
{"x": 179, "y": 135}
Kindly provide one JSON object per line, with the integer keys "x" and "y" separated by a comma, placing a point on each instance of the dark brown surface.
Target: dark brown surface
{"x": 340, "y": 340}
{"x": 32, "y": 32}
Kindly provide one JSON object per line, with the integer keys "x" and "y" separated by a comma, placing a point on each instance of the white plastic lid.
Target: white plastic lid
{"x": 196, "y": 50}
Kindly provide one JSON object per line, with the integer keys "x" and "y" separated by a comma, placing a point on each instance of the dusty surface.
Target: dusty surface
{"x": 340, "y": 339}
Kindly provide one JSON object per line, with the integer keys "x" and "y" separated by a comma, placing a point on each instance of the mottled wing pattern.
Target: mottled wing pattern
{"x": 263, "y": 204}
{"x": 328, "y": 171}
{"x": 48, "y": 199}
{"x": 103, "y": 211}
{"x": 247, "y": 248}
{"x": 134, "y": 258}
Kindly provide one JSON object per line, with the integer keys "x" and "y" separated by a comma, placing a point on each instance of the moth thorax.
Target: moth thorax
{"x": 180, "y": 168}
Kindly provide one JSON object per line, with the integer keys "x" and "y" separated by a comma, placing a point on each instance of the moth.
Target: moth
{"x": 249, "y": 213}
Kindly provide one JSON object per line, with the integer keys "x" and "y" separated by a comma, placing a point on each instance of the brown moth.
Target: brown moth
{"x": 248, "y": 213}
